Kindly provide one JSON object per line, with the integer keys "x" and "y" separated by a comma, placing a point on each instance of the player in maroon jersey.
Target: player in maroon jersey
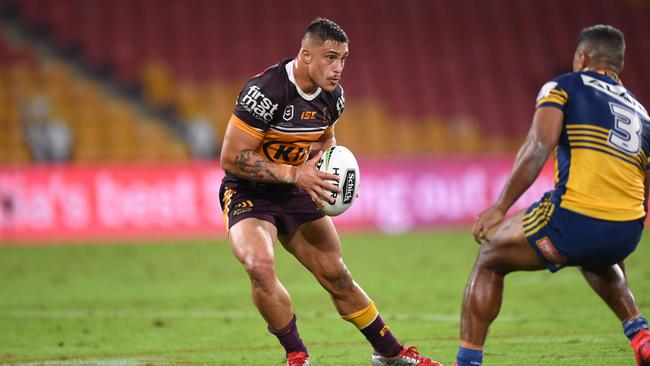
{"x": 283, "y": 120}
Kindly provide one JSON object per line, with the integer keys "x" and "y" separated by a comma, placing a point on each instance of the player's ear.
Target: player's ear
{"x": 580, "y": 61}
{"x": 306, "y": 55}
{"x": 586, "y": 61}
{"x": 622, "y": 67}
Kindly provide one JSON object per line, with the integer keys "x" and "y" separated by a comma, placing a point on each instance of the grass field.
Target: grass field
{"x": 189, "y": 304}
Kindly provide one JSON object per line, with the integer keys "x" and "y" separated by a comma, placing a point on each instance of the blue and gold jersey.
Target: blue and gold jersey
{"x": 602, "y": 154}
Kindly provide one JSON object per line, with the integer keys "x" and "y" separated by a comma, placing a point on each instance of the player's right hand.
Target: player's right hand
{"x": 486, "y": 221}
{"x": 316, "y": 183}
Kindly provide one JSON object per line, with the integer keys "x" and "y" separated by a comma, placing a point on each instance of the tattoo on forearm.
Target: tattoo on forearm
{"x": 539, "y": 156}
{"x": 253, "y": 166}
{"x": 529, "y": 163}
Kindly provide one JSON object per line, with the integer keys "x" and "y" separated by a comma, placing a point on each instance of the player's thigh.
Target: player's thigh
{"x": 508, "y": 249}
{"x": 251, "y": 241}
{"x": 316, "y": 245}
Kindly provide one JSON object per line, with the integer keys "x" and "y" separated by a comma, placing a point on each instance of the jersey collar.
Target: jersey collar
{"x": 292, "y": 78}
{"x": 610, "y": 74}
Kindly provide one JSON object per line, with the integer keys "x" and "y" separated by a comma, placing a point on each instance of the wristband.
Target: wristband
{"x": 288, "y": 173}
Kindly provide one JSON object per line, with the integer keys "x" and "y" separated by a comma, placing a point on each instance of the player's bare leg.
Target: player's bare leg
{"x": 611, "y": 285}
{"x": 621, "y": 264}
{"x": 317, "y": 246}
{"x": 251, "y": 242}
{"x": 506, "y": 251}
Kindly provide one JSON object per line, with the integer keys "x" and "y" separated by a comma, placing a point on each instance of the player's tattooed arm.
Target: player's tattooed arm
{"x": 238, "y": 157}
{"x": 528, "y": 164}
{"x": 252, "y": 166}
{"x": 540, "y": 142}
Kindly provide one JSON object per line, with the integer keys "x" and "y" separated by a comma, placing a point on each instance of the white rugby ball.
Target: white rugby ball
{"x": 340, "y": 161}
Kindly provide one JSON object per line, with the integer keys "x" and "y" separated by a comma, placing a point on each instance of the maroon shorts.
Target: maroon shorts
{"x": 283, "y": 205}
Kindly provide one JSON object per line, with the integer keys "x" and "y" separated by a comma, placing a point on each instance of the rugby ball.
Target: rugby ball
{"x": 339, "y": 160}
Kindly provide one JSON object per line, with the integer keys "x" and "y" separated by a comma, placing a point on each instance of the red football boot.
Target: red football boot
{"x": 407, "y": 357}
{"x": 297, "y": 359}
{"x": 641, "y": 346}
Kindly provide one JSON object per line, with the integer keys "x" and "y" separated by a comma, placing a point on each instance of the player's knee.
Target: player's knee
{"x": 491, "y": 257}
{"x": 260, "y": 269}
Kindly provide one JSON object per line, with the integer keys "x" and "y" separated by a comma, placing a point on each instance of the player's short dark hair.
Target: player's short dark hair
{"x": 326, "y": 30}
{"x": 606, "y": 44}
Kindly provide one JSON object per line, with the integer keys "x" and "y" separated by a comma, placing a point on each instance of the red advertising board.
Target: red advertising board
{"x": 404, "y": 194}
{"x": 104, "y": 203}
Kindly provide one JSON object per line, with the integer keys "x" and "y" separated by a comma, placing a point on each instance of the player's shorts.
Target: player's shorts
{"x": 284, "y": 205}
{"x": 561, "y": 237}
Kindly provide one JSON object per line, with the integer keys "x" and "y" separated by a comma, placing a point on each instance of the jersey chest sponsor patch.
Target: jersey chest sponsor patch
{"x": 286, "y": 152}
{"x": 290, "y": 140}
{"x": 258, "y": 104}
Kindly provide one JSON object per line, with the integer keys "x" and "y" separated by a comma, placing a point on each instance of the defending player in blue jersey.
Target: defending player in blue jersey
{"x": 593, "y": 218}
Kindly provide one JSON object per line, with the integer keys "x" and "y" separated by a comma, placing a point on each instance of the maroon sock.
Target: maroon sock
{"x": 381, "y": 338}
{"x": 289, "y": 337}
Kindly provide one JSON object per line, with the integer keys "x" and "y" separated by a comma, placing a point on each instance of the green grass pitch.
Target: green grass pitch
{"x": 189, "y": 304}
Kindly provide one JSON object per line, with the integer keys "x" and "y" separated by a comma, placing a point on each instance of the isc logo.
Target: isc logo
{"x": 308, "y": 115}
{"x": 258, "y": 104}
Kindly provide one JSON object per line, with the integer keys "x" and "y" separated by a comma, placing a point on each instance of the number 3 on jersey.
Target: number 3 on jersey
{"x": 626, "y": 134}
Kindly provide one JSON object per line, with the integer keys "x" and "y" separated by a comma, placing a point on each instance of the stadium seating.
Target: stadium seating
{"x": 105, "y": 128}
{"x": 467, "y": 67}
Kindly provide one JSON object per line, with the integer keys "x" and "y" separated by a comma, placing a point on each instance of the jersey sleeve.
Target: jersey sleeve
{"x": 339, "y": 106}
{"x": 555, "y": 93}
{"x": 257, "y": 106}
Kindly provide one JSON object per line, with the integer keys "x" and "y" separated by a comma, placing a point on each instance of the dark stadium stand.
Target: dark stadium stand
{"x": 466, "y": 69}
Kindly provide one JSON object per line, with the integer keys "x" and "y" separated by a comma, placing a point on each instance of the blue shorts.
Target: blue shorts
{"x": 561, "y": 237}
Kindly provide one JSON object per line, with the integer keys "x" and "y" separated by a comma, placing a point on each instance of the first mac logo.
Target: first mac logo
{"x": 258, "y": 104}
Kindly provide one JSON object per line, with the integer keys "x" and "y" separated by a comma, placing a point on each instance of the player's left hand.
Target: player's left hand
{"x": 485, "y": 221}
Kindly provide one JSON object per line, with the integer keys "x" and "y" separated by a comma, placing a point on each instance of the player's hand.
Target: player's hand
{"x": 486, "y": 221}
{"x": 316, "y": 183}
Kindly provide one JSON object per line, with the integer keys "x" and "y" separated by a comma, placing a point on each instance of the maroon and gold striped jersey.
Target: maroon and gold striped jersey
{"x": 287, "y": 121}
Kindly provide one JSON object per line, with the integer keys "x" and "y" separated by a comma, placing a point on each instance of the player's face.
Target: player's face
{"x": 328, "y": 63}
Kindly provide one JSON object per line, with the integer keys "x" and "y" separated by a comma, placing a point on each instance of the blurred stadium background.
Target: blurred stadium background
{"x": 142, "y": 85}
{"x": 112, "y": 113}
{"x": 425, "y": 77}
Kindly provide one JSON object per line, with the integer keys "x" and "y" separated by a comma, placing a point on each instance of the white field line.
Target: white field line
{"x": 207, "y": 314}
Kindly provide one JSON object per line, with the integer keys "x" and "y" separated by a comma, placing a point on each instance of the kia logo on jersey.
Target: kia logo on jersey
{"x": 280, "y": 151}
{"x": 288, "y": 113}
